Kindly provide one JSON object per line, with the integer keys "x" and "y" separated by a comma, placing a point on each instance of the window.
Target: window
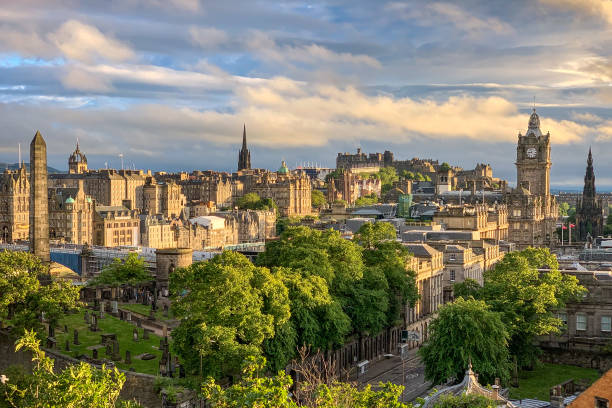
{"x": 516, "y": 213}
{"x": 581, "y": 321}
{"x": 563, "y": 317}
{"x": 601, "y": 403}
{"x": 606, "y": 323}
{"x": 452, "y": 275}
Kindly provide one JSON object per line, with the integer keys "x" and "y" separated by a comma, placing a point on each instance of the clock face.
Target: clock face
{"x": 531, "y": 152}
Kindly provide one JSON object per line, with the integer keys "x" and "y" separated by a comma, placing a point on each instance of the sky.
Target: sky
{"x": 170, "y": 83}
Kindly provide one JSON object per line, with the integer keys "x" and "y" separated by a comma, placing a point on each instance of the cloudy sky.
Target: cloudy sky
{"x": 169, "y": 83}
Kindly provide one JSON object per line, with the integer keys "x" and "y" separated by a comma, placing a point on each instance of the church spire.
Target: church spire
{"x": 589, "y": 178}
{"x": 244, "y": 157}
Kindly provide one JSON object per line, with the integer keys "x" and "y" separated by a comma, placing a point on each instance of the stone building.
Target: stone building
{"x": 349, "y": 186}
{"x": 71, "y": 215}
{"x": 209, "y": 186}
{"x": 244, "y": 157}
{"x": 39, "y": 199}
{"x": 532, "y": 210}
{"x": 167, "y": 261}
{"x": 107, "y": 187}
{"x": 253, "y": 225}
{"x": 14, "y": 205}
{"x": 207, "y": 232}
{"x": 428, "y": 264}
{"x": 588, "y": 324}
{"x": 156, "y": 231}
{"x": 77, "y": 162}
{"x": 290, "y": 192}
{"x": 116, "y": 226}
{"x": 491, "y": 222}
{"x": 162, "y": 198}
{"x": 460, "y": 263}
{"x": 589, "y": 208}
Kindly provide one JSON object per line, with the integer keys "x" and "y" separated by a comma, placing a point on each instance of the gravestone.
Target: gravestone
{"x": 166, "y": 308}
{"x": 109, "y": 349}
{"x": 101, "y": 310}
{"x": 51, "y": 342}
{"x": 116, "y": 355}
{"x": 128, "y": 357}
{"x": 94, "y": 353}
{"x": 128, "y": 316}
{"x": 86, "y": 317}
{"x": 114, "y": 307}
{"x": 75, "y": 341}
{"x": 51, "y": 331}
{"x": 67, "y": 348}
{"x": 94, "y": 323}
{"x": 135, "y": 334}
{"x": 145, "y": 334}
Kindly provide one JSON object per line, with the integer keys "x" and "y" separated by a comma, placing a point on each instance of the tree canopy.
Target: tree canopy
{"x": 23, "y": 299}
{"x": 317, "y": 199}
{"x": 78, "y": 386}
{"x": 369, "y": 199}
{"x": 131, "y": 270}
{"x": 255, "y": 390}
{"x": 466, "y": 331}
{"x": 227, "y": 308}
{"x": 252, "y": 201}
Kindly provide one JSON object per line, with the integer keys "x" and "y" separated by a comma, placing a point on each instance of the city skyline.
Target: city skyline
{"x": 170, "y": 84}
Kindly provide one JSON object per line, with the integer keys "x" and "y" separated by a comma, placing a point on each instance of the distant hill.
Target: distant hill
{"x": 15, "y": 166}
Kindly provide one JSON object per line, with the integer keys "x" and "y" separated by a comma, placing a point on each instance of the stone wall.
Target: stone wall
{"x": 137, "y": 386}
{"x": 581, "y": 358}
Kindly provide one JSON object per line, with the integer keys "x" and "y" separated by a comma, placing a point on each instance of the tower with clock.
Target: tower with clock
{"x": 533, "y": 159}
{"x": 532, "y": 210}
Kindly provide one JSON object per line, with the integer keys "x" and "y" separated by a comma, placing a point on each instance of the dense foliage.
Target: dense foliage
{"x": 310, "y": 288}
{"x": 78, "y": 386}
{"x": 252, "y": 201}
{"x": 370, "y": 199}
{"x": 317, "y": 199}
{"x": 524, "y": 298}
{"x": 227, "y": 307}
{"x": 255, "y": 390}
{"x": 466, "y": 331}
{"x": 23, "y": 299}
{"x": 132, "y": 270}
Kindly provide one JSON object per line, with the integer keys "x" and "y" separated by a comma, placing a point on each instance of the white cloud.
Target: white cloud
{"x": 311, "y": 54}
{"x": 82, "y": 42}
{"x": 208, "y": 37}
{"x": 601, "y": 9}
{"x": 436, "y": 13}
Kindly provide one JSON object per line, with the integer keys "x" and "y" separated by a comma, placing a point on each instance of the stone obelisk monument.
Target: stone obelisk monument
{"x": 39, "y": 199}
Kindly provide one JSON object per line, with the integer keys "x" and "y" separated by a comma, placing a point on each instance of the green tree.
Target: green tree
{"x": 23, "y": 299}
{"x": 252, "y": 201}
{"x": 527, "y": 298}
{"x": 371, "y": 233}
{"x": 445, "y": 166}
{"x": 370, "y": 199}
{"x": 419, "y": 177}
{"x": 317, "y": 199}
{"x": 563, "y": 208}
{"x": 259, "y": 391}
{"x": 227, "y": 308}
{"x": 132, "y": 270}
{"x": 464, "y": 331}
{"x": 467, "y": 288}
{"x": 388, "y": 176}
{"x": 465, "y": 401}
{"x": 77, "y": 386}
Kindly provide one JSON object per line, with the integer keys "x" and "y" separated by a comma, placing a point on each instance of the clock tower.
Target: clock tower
{"x": 532, "y": 211}
{"x": 533, "y": 159}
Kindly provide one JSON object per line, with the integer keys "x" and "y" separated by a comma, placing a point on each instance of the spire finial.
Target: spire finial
{"x": 77, "y": 147}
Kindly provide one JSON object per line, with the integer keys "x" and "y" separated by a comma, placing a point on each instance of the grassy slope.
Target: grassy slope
{"x": 110, "y": 324}
{"x": 537, "y": 383}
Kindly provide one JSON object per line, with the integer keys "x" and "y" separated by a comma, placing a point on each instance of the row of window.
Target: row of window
{"x": 581, "y": 321}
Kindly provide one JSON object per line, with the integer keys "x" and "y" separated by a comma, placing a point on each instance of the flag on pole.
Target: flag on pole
{"x": 564, "y": 227}
{"x": 572, "y": 226}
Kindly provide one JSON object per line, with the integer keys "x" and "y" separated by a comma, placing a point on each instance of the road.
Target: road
{"x": 390, "y": 370}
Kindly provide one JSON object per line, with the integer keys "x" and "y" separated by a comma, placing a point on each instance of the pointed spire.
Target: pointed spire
{"x": 590, "y": 158}
{"x": 77, "y": 146}
{"x": 244, "y": 142}
{"x": 38, "y": 139}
